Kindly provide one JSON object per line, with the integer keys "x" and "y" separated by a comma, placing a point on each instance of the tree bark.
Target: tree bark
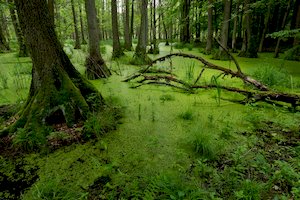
{"x": 51, "y": 11}
{"x": 58, "y": 93}
{"x": 127, "y": 31}
{"x": 140, "y": 56}
{"x": 117, "y": 49}
{"x": 77, "y": 37}
{"x": 22, "y": 47}
{"x": 4, "y": 46}
{"x": 209, "y": 28}
{"x": 132, "y": 21}
{"x": 154, "y": 47}
{"x": 95, "y": 65}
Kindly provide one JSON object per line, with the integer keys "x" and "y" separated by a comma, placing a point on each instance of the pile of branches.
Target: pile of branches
{"x": 163, "y": 77}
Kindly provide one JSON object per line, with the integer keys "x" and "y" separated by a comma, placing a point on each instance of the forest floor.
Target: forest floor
{"x": 170, "y": 144}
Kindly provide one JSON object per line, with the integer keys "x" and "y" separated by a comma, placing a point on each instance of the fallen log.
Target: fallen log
{"x": 263, "y": 93}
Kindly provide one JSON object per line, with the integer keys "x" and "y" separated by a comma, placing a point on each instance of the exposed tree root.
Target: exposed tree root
{"x": 262, "y": 93}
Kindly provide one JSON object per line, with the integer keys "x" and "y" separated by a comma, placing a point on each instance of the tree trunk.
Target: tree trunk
{"x": 282, "y": 28}
{"x": 117, "y": 49}
{"x": 209, "y": 28}
{"x": 235, "y": 26}
{"x": 198, "y": 24}
{"x": 297, "y": 24}
{"x": 266, "y": 22}
{"x": 51, "y": 11}
{"x": 95, "y": 65}
{"x": 140, "y": 56}
{"x": 22, "y": 47}
{"x": 77, "y": 38}
{"x": 127, "y": 32}
{"x": 132, "y": 20}
{"x": 154, "y": 47}
{"x": 58, "y": 92}
{"x": 185, "y": 21}
{"x": 3, "y": 43}
{"x": 81, "y": 25}
{"x": 222, "y": 55}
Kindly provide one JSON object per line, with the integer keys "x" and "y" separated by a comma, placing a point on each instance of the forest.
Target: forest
{"x": 150, "y": 99}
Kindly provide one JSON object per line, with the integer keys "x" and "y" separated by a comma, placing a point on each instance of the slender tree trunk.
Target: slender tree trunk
{"x": 77, "y": 37}
{"x": 58, "y": 92}
{"x": 140, "y": 56}
{"x": 3, "y": 42}
{"x": 51, "y": 11}
{"x": 209, "y": 28}
{"x": 266, "y": 22}
{"x": 235, "y": 26}
{"x": 282, "y": 28}
{"x": 117, "y": 49}
{"x": 222, "y": 55}
{"x": 81, "y": 24}
{"x": 95, "y": 65}
{"x": 198, "y": 25}
{"x": 22, "y": 47}
{"x": 132, "y": 20}
{"x": 127, "y": 32}
{"x": 154, "y": 47}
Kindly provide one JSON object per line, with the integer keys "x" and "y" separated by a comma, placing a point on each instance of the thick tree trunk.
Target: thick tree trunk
{"x": 117, "y": 49}
{"x": 140, "y": 56}
{"x": 58, "y": 92}
{"x": 222, "y": 55}
{"x": 95, "y": 65}
{"x": 77, "y": 37}
{"x": 185, "y": 21}
{"x": 209, "y": 28}
{"x": 81, "y": 25}
{"x": 51, "y": 11}
{"x": 22, "y": 47}
{"x": 127, "y": 32}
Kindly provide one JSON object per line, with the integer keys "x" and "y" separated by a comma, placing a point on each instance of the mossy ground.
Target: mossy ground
{"x": 223, "y": 150}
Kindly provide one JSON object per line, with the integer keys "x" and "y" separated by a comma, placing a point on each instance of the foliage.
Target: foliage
{"x": 272, "y": 76}
{"x": 285, "y": 34}
{"x": 4, "y": 80}
{"x": 187, "y": 115}
{"x": 293, "y": 54}
{"x": 166, "y": 97}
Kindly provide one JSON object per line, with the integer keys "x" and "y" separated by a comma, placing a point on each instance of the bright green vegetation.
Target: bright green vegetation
{"x": 170, "y": 144}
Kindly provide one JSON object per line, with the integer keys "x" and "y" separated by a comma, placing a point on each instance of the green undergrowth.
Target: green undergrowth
{"x": 172, "y": 144}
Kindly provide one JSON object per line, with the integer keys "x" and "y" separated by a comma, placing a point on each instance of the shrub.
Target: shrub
{"x": 166, "y": 97}
{"x": 293, "y": 54}
{"x": 4, "y": 80}
{"x": 187, "y": 115}
{"x": 272, "y": 76}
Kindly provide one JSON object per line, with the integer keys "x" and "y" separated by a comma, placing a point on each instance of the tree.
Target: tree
{"x": 127, "y": 31}
{"x": 22, "y": 47}
{"x": 77, "y": 37}
{"x": 51, "y": 10}
{"x": 222, "y": 55}
{"x": 58, "y": 92}
{"x": 117, "y": 49}
{"x": 140, "y": 56}
{"x": 185, "y": 21}
{"x": 209, "y": 28}
{"x": 154, "y": 47}
{"x": 3, "y": 43}
{"x": 95, "y": 65}
{"x": 81, "y": 25}
{"x": 235, "y": 26}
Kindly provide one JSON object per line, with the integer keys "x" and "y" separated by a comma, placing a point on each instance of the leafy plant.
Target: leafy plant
{"x": 4, "y": 80}
{"x": 272, "y": 76}
{"x": 166, "y": 97}
{"x": 187, "y": 115}
{"x": 293, "y": 54}
{"x": 190, "y": 71}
